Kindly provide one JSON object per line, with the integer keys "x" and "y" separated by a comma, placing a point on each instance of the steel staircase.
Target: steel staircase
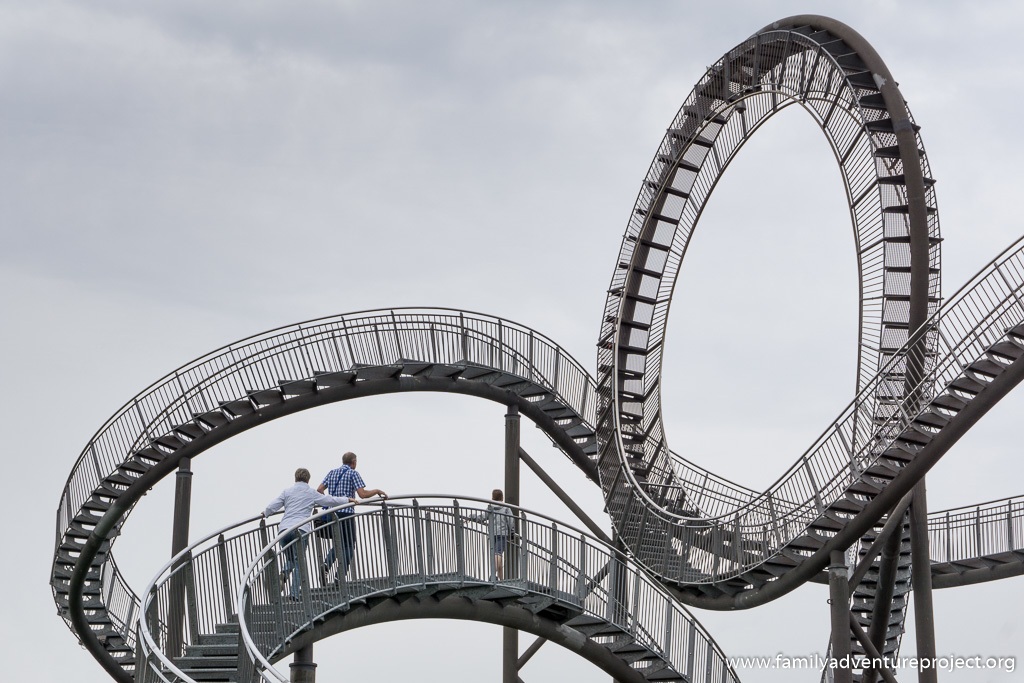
{"x": 553, "y": 390}
{"x": 214, "y": 657}
{"x": 712, "y": 542}
{"x": 424, "y": 559}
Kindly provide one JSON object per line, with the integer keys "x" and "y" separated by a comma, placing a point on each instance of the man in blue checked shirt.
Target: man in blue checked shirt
{"x": 345, "y": 478}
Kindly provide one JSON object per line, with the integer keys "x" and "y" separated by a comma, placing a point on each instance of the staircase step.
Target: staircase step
{"x": 1017, "y": 331}
{"x": 265, "y": 397}
{"x": 989, "y": 369}
{"x": 297, "y": 387}
{"x": 1007, "y": 350}
{"x": 365, "y": 372}
{"x": 191, "y": 430}
{"x": 477, "y": 372}
{"x": 212, "y": 419}
{"x": 413, "y": 367}
{"x": 892, "y": 152}
{"x": 967, "y": 385}
{"x": 239, "y": 407}
{"x": 932, "y": 419}
{"x": 444, "y": 370}
{"x": 327, "y": 380}
{"x": 169, "y": 441}
{"x": 949, "y": 402}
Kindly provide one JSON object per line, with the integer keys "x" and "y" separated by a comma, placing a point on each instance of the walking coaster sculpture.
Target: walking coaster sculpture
{"x": 850, "y": 511}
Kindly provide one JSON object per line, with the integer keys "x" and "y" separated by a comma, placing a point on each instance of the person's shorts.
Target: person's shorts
{"x": 498, "y": 543}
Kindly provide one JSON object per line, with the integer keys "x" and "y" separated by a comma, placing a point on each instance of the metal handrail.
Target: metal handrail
{"x": 697, "y": 119}
{"x": 149, "y": 649}
{"x": 560, "y": 559}
{"x": 138, "y": 419}
{"x": 977, "y": 531}
{"x": 208, "y": 610}
{"x": 300, "y": 351}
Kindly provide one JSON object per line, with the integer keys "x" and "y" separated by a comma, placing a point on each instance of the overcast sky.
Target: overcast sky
{"x": 179, "y": 175}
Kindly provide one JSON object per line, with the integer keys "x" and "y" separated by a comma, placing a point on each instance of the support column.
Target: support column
{"x": 510, "y": 636}
{"x": 179, "y": 541}
{"x": 839, "y": 600}
{"x": 921, "y": 575}
{"x": 303, "y": 668}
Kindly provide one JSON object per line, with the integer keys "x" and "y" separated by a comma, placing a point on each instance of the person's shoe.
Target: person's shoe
{"x": 293, "y": 598}
{"x": 323, "y": 575}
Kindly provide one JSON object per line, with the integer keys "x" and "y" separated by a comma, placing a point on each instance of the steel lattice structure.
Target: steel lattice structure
{"x": 926, "y": 372}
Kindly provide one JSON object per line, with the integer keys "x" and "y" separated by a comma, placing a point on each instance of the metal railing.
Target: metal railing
{"x": 301, "y": 351}
{"x": 193, "y": 593}
{"x": 974, "y": 319}
{"x": 430, "y": 543}
{"x": 673, "y": 194}
{"x": 976, "y": 531}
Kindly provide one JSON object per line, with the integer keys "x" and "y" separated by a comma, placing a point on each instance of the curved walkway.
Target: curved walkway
{"x": 422, "y": 557}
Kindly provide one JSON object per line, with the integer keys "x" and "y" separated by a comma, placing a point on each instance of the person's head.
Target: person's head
{"x": 349, "y": 459}
{"x": 496, "y": 494}
{"x": 302, "y": 474}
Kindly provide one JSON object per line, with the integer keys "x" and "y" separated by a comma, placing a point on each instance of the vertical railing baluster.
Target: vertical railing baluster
{"x": 418, "y": 534}
{"x": 244, "y": 662}
{"x": 613, "y": 591}
{"x": 949, "y": 539}
{"x": 666, "y": 646}
{"x": 1009, "y": 526}
{"x": 460, "y": 548}
{"x": 691, "y": 645}
{"x": 398, "y": 341}
{"x": 530, "y": 359}
{"x": 304, "y": 584}
{"x": 553, "y": 569}
{"x": 977, "y": 532}
{"x": 390, "y": 547}
{"x": 192, "y": 599}
{"x": 581, "y": 575}
{"x": 431, "y": 568}
{"x": 524, "y": 547}
{"x": 275, "y": 587}
{"x": 492, "y": 565}
{"x": 501, "y": 345}
{"x": 225, "y": 579}
{"x": 717, "y": 548}
{"x": 634, "y": 604}
{"x": 465, "y": 337}
{"x": 152, "y": 616}
{"x": 775, "y": 520}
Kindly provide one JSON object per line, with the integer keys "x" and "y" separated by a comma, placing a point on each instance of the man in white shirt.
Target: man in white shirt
{"x": 298, "y": 501}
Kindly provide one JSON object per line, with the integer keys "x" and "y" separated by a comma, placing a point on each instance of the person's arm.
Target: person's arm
{"x": 321, "y": 488}
{"x": 331, "y": 501}
{"x": 274, "y": 505}
{"x": 368, "y": 493}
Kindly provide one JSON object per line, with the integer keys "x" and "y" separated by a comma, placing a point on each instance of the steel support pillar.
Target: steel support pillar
{"x": 303, "y": 668}
{"x": 510, "y": 636}
{"x": 921, "y": 576}
{"x": 839, "y": 602}
{"x": 179, "y": 541}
